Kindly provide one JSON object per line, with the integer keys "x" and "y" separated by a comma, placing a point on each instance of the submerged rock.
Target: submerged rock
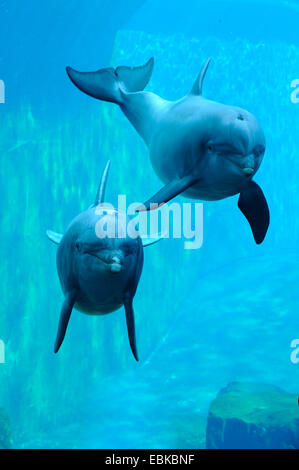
{"x": 5, "y": 437}
{"x": 253, "y": 416}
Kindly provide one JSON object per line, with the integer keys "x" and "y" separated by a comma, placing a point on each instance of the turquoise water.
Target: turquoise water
{"x": 204, "y": 318}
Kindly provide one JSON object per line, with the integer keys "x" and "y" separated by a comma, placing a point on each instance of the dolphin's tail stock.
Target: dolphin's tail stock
{"x": 110, "y": 84}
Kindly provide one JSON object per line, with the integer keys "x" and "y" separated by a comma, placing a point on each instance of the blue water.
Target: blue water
{"x": 204, "y": 318}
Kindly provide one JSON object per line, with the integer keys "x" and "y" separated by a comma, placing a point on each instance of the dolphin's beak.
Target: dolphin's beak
{"x": 248, "y": 164}
{"x": 116, "y": 264}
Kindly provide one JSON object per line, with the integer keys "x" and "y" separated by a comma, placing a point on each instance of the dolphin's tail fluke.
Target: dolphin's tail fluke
{"x": 110, "y": 84}
{"x": 65, "y": 314}
{"x": 100, "y": 197}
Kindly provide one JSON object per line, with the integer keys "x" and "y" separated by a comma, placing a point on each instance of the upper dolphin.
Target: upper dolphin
{"x": 99, "y": 271}
{"x": 203, "y": 149}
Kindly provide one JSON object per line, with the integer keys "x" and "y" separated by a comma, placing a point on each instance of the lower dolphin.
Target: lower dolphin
{"x": 98, "y": 274}
{"x": 199, "y": 148}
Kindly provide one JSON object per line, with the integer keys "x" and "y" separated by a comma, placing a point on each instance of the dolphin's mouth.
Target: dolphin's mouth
{"x": 245, "y": 164}
{"x": 115, "y": 264}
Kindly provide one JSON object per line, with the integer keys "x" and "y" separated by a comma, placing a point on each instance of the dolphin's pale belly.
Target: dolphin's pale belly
{"x": 103, "y": 294}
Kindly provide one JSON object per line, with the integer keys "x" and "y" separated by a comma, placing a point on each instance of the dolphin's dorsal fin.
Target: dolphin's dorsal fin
{"x": 101, "y": 190}
{"x": 253, "y": 205}
{"x": 197, "y": 87}
{"x": 54, "y": 237}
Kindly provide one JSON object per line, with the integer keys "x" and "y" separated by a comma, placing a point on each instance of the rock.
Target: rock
{"x": 5, "y": 437}
{"x": 253, "y": 416}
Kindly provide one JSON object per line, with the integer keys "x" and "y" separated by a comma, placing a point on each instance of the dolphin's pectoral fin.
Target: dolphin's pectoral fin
{"x": 54, "y": 237}
{"x": 146, "y": 241}
{"x": 108, "y": 84}
{"x": 128, "y": 304}
{"x": 197, "y": 86}
{"x": 253, "y": 204}
{"x": 65, "y": 314}
{"x": 167, "y": 193}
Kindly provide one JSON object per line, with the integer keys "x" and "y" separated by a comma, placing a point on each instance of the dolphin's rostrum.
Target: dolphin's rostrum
{"x": 203, "y": 149}
{"x": 98, "y": 273}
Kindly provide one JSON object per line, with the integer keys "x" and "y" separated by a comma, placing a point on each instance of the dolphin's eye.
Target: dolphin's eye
{"x": 78, "y": 246}
{"x": 128, "y": 248}
{"x": 210, "y": 147}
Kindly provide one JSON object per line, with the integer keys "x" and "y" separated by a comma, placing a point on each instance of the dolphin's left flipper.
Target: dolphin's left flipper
{"x": 169, "y": 191}
{"x": 253, "y": 204}
{"x": 128, "y": 304}
{"x": 54, "y": 237}
{"x": 66, "y": 311}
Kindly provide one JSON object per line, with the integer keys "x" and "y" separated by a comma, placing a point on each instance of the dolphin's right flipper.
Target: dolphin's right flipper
{"x": 108, "y": 84}
{"x": 167, "y": 193}
{"x": 146, "y": 241}
{"x": 128, "y": 304}
{"x": 253, "y": 204}
{"x": 65, "y": 314}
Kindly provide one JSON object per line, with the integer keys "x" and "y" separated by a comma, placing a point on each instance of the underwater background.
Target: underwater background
{"x": 205, "y": 318}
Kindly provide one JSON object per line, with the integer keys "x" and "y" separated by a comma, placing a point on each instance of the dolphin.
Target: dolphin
{"x": 98, "y": 271}
{"x": 199, "y": 148}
